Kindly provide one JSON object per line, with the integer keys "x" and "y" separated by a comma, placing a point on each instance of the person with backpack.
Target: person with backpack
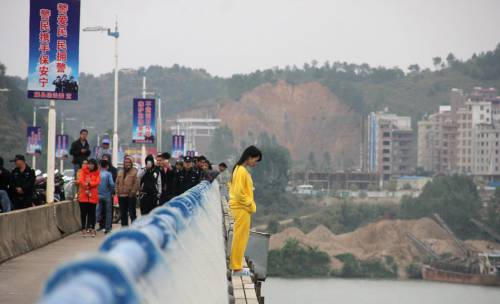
{"x": 150, "y": 186}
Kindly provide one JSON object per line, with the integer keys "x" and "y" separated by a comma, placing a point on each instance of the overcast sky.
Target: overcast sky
{"x": 226, "y": 37}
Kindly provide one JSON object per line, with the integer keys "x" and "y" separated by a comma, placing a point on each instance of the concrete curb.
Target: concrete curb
{"x": 25, "y": 230}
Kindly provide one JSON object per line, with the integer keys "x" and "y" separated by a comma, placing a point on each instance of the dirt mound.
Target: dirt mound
{"x": 278, "y": 240}
{"x": 379, "y": 239}
{"x": 481, "y": 245}
{"x": 321, "y": 234}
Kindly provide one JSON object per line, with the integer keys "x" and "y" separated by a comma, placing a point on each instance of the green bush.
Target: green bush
{"x": 295, "y": 260}
{"x": 373, "y": 268}
{"x": 414, "y": 271}
{"x": 454, "y": 198}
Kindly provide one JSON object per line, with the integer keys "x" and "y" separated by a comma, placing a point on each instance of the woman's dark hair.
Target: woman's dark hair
{"x": 104, "y": 163}
{"x": 94, "y": 161}
{"x": 251, "y": 151}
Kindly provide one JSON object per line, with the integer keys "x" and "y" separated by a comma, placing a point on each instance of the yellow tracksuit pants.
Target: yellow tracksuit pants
{"x": 241, "y": 234}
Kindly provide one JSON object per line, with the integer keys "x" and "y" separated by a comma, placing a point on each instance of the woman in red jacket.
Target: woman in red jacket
{"x": 90, "y": 178}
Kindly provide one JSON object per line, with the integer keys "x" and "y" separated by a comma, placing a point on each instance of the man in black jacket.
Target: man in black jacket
{"x": 80, "y": 150}
{"x": 167, "y": 177}
{"x": 22, "y": 183}
{"x": 150, "y": 186}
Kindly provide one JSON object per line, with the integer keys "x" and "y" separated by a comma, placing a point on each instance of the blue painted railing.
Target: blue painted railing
{"x": 173, "y": 255}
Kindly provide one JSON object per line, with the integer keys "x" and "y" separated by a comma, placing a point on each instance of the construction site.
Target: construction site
{"x": 427, "y": 242}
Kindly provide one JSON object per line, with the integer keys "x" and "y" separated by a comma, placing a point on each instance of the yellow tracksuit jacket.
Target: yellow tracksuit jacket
{"x": 242, "y": 205}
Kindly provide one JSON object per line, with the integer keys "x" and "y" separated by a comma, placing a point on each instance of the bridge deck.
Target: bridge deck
{"x": 22, "y": 278}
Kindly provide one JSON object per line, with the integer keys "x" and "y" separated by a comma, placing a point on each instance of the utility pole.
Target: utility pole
{"x": 51, "y": 152}
{"x": 143, "y": 146}
{"x": 159, "y": 131}
{"x": 35, "y": 108}
{"x": 115, "y": 34}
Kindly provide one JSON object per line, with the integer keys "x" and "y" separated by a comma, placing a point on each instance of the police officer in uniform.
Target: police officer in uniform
{"x": 22, "y": 183}
{"x": 187, "y": 178}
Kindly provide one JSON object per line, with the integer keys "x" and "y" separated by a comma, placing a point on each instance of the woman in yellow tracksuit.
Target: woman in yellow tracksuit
{"x": 242, "y": 206}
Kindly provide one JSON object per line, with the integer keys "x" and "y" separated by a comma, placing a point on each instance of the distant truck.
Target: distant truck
{"x": 305, "y": 189}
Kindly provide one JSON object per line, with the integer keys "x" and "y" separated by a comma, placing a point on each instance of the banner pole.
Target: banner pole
{"x": 33, "y": 158}
{"x": 143, "y": 146}
{"x": 61, "y": 162}
{"x": 51, "y": 145}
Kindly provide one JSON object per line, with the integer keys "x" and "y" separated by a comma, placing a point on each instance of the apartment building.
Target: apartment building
{"x": 390, "y": 151}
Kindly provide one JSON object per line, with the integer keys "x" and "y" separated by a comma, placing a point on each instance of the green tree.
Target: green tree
{"x": 450, "y": 59}
{"x": 271, "y": 176}
{"x": 295, "y": 260}
{"x": 311, "y": 162}
{"x": 326, "y": 165}
{"x": 454, "y": 198}
{"x": 273, "y": 227}
{"x": 414, "y": 68}
{"x": 436, "y": 61}
{"x": 493, "y": 211}
{"x": 221, "y": 146}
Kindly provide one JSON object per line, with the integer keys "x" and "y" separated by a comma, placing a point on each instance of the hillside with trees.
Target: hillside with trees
{"x": 359, "y": 88}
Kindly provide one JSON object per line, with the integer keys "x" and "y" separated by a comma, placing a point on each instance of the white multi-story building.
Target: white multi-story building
{"x": 197, "y": 132}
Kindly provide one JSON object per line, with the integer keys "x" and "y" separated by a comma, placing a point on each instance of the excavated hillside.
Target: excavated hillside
{"x": 379, "y": 239}
{"x": 304, "y": 117}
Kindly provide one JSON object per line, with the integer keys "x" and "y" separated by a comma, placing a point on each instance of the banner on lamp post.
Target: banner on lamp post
{"x": 54, "y": 30}
{"x": 62, "y": 146}
{"x": 34, "y": 136}
{"x": 177, "y": 146}
{"x": 144, "y": 121}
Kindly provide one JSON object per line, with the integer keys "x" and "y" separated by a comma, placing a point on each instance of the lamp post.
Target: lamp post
{"x": 51, "y": 152}
{"x": 115, "y": 34}
{"x": 158, "y": 135}
{"x": 35, "y": 108}
{"x": 61, "y": 163}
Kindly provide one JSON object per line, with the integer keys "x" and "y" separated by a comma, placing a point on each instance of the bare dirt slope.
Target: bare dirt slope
{"x": 382, "y": 238}
{"x": 305, "y": 117}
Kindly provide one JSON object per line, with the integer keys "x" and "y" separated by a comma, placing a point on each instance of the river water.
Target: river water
{"x": 343, "y": 291}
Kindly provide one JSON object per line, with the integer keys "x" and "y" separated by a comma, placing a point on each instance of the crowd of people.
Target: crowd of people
{"x": 157, "y": 183}
{"x": 99, "y": 183}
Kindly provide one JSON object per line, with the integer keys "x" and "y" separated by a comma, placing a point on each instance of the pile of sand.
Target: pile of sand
{"x": 481, "y": 245}
{"x": 382, "y": 238}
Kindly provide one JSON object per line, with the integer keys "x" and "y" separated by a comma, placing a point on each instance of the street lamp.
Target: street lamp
{"x": 35, "y": 108}
{"x": 63, "y": 119}
{"x": 115, "y": 34}
{"x": 158, "y": 136}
